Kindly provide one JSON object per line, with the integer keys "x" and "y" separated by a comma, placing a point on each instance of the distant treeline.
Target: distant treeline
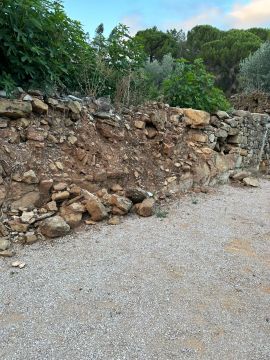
{"x": 41, "y": 47}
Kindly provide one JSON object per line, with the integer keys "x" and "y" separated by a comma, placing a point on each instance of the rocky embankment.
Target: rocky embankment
{"x": 68, "y": 161}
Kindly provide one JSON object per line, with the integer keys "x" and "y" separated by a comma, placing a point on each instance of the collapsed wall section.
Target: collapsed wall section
{"x": 77, "y": 159}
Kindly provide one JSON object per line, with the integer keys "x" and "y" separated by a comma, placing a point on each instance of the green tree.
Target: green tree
{"x": 255, "y": 70}
{"x": 39, "y": 43}
{"x": 263, "y": 34}
{"x": 223, "y": 56}
{"x": 191, "y": 86}
{"x": 157, "y": 43}
{"x": 200, "y": 35}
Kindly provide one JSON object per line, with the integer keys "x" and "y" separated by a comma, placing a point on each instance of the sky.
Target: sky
{"x": 168, "y": 14}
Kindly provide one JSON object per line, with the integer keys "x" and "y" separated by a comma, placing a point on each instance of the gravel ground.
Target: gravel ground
{"x": 194, "y": 285}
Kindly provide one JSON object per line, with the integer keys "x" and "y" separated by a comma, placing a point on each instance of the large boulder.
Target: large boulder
{"x": 15, "y": 109}
{"x": 54, "y": 227}
{"x": 196, "y": 118}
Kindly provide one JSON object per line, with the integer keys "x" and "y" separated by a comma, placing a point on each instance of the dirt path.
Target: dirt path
{"x": 195, "y": 285}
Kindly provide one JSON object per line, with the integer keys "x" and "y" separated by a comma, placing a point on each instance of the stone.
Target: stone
{"x": 196, "y": 118}
{"x": 116, "y": 211}
{"x": 96, "y": 209}
{"x": 35, "y": 135}
{"x": 51, "y": 206}
{"x": 28, "y": 217}
{"x": 90, "y": 222}
{"x": 110, "y": 131}
{"x": 23, "y": 122}
{"x": 59, "y": 165}
{"x": 75, "y": 190}
{"x": 121, "y": 202}
{"x": 168, "y": 149}
{"x": 3, "y": 230}
{"x": 115, "y": 220}
{"x": 4, "y": 244}
{"x": 60, "y": 186}
{"x": 35, "y": 92}
{"x": 235, "y": 139}
{"x": 250, "y": 181}
{"x": 136, "y": 195}
{"x": 139, "y": 124}
{"x": 18, "y": 264}
{"x": 52, "y": 102}
{"x": 18, "y": 226}
{"x": 233, "y": 131}
{"x": 198, "y": 137}
{"x": 3, "y": 123}
{"x": 151, "y": 132}
{"x": 221, "y": 133}
{"x": 30, "y": 238}
{"x": 77, "y": 207}
{"x": 30, "y": 177}
{"x": 158, "y": 118}
{"x": 222, "y": 115}
{"x": 72, "y": 217}
{"x": 27, "y": 201}
{"x": 54, "y": 227}
{"x": 241, "y": 175}
{"x": 15, "y": 109}
{"x": 39, "y": 106}
{"x": 146, "y": 208}
{"x": 3, "y": 194}
{"x": 116, "y": 188}
{"x": 7, "y": 253}
{"x": 72, "y": 139}
{"x": 61, "y": 195}
{"x": 75, "y": 107}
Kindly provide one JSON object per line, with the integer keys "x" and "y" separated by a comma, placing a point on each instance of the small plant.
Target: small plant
{"x": 161, "y": 214}
{"x": 195, "y": 201}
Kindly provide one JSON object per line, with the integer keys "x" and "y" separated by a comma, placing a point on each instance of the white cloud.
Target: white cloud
{"x": 134, "y": 22}
{"x": 209, "y": 16}
{"x": 255, "y": 13}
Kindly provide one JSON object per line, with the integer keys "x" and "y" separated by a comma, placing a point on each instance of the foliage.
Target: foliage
{"x": 223, "y": 56}
{"x": 255, "y": 70}
{"x": 39, "y": 43}
{"x": 109, "y": 61}
{"x": 157, "y": 43}
{"x": 200, "y": 35}
{"x": 191, "y": 86}
{"x": 41, "y": 47}
{"x": 263, "y": 34}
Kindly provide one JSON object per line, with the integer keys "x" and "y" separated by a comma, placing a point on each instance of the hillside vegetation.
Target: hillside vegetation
{"x": 41, "y": 47}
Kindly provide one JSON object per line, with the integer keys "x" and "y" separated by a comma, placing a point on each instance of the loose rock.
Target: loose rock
{"x": 54, "y": 227}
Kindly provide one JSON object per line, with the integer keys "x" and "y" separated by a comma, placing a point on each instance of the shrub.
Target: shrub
{"x": 255, "y": 70}
{"x": 39, "y": 44}
{"x": 190, "y": 85}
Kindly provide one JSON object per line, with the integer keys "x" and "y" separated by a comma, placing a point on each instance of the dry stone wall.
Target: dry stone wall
{"x": 67, "y": 161}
